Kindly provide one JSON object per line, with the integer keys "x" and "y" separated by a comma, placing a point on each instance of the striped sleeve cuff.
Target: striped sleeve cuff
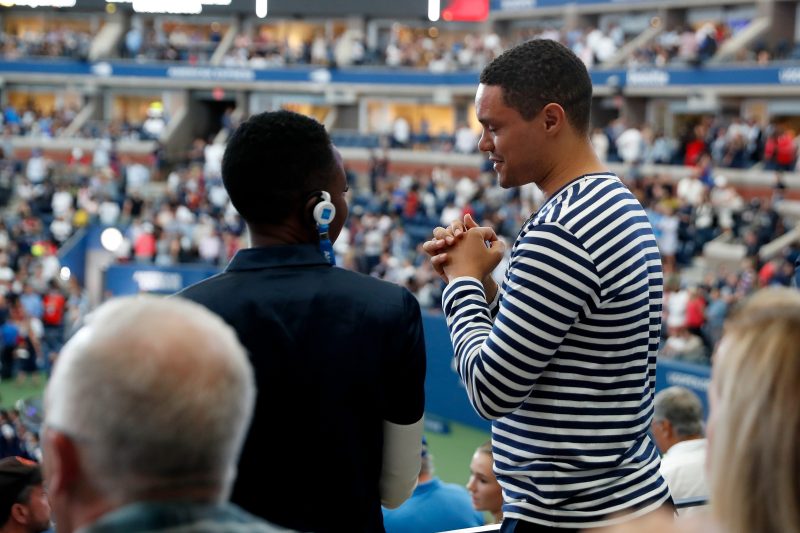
{"x": 459, "y": 290}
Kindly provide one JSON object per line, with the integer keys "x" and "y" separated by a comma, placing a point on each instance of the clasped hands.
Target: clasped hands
{"x": 465, "y": 249}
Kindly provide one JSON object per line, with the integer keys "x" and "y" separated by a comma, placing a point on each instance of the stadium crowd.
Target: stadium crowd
{"x": 53, "y": 42}
{"x": 191, "y": 221}
{"x": 445, "y": 51}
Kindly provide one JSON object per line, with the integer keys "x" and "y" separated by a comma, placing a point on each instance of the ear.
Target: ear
{"x": 63, "y": 464}
{"x": 308, "y": 209}
{"x": 667, "y": 429}
{"x": 20, "y": 513}
{"x": 554, "y": 118}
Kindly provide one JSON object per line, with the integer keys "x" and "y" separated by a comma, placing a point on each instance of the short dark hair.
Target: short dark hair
{"x": 538, "y": 72}
{"x": 18, "y": 476}
{"x": 272, "y": 161}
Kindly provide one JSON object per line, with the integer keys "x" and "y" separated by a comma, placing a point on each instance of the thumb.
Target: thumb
{"x": 469, "y": 222}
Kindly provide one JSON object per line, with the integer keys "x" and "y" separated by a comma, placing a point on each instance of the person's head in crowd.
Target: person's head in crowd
{"x": 426, "y": 465}
{"x": 678, "y": 416}
{"x": 754, "y": 425}
{"x": 150, "y": 401}
{"x": 483, "y": 486}
{"x": 534, "y": 103}
{"x": 275, "y": 167}
{"x": 24, "y": 507}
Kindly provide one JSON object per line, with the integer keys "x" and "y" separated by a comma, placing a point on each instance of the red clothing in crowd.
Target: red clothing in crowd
{"x": 54, "y": 305}
{"x": 780, "y": 150}
{"x": 694, "y": 149}
{"x": 696, "y": 312}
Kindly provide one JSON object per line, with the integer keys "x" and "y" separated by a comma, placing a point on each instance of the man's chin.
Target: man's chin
{"x": 503, "y": 180}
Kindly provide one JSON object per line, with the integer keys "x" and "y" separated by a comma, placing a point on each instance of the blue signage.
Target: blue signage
{"x": 693, "y": 377}
{"x": 647, "y": 77}
{"x": 516, "y": 5}
{"x": 135, "y": 278}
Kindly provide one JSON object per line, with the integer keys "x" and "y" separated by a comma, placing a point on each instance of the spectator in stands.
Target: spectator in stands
{"x": 696, "y": 312}
{"x": 340, "y": 356}
{"x": 55, "y": 304}
{"x": 24, "y": 507}
{"x": 434, "y": 506}
{"x": 677, "y": 428}
{"x": 753, "y": 433}
{"x": 401, "y": 132}
{"x": 566, "y": 282}
{"x": 684, "y": 345}
{"x": 173, "y": 468}
{"x": 630, "y": 145}
{"x": 465, "y": 139}
{"x": 600, "y": 144}
{"x": 753, "y": 427}
{"x": 780, "y": 152}
{"x": 487, "y": 495}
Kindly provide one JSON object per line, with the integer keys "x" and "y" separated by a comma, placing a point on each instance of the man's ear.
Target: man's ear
{"x": 554, "y": 118}
{"x": 20, "y": 513}
{"x": 668, "y": 430}
{"x": 63, "y": 462}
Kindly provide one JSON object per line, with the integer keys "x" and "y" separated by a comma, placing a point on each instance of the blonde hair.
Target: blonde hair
{"x": 755, "y": 457}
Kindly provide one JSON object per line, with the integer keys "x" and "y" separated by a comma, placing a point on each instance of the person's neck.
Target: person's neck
{"x": 12, "y": 527}
{"x": 289, "y": 233}
{"x": 85, "y": 514}
{"x": 571, "y": 160}
{"x": 498, "y": 517}
{"x": 678, "y": 440}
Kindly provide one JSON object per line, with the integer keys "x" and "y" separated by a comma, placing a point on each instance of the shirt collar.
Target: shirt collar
{"x": 277, "y": 256}
{"x": 686, "y": 446}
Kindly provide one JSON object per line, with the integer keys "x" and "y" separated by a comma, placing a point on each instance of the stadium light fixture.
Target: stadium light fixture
{"x": 111, "y": 239}
{"x": 261, "y": 8}
{"x": 434, "y": 8}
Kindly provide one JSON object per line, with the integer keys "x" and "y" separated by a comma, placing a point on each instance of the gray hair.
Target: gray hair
{"x": 682, "y": 408}
{"x": 157, "y": 395}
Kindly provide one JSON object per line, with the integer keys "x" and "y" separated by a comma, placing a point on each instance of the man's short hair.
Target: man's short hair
{"x": 538, "y": 72}
{"x": 17, "y": 477}
{"x": 157, "y": 394}
{"x": 682, "y": 408}
{"x": 272, "y": 161}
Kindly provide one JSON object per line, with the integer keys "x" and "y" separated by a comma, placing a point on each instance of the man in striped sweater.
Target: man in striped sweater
{"x": 562, "y": 356}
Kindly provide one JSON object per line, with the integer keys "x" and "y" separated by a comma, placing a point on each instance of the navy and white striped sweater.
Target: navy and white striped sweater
{"x": 564, "y": 360}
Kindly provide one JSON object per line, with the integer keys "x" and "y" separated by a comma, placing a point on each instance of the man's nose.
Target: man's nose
{"x": 485, "y": 143}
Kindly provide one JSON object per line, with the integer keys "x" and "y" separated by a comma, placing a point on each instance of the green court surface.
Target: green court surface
{"x": 452, "y": 451}
{"x": 11, "y": 391}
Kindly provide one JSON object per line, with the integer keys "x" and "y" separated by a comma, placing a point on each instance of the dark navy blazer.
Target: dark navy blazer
{"x": 335, "y": 354}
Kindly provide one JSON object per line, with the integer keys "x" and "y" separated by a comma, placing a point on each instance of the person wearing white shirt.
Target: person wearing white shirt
{"x": 677, "y": 428}
{"x": 600, "y": 144}
{"x": 466, "y": 140}
{"x": 629, "y": 145}
{"x": 691, "y": 189}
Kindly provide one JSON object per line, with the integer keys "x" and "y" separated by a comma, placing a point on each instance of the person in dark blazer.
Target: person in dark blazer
{"x": 339, "y": 357}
